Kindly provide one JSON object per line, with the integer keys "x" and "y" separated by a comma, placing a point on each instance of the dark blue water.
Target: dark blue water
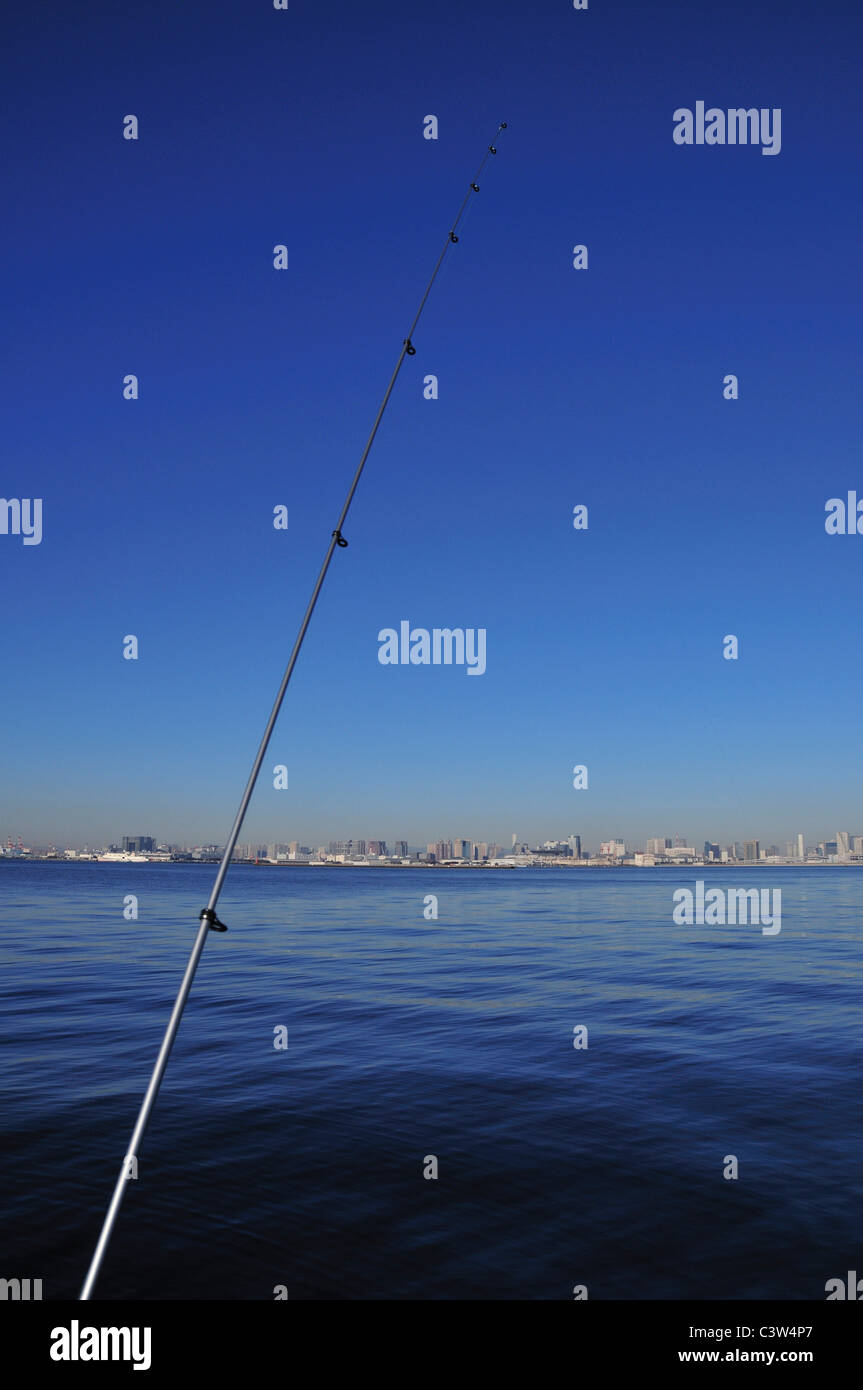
{"x": 453, "y": 1037}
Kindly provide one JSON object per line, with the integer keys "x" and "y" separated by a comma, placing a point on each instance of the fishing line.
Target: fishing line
{"x": 208, "y": 917}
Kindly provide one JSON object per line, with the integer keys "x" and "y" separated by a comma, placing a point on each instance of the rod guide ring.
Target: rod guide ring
{"x": 208, "y": 914}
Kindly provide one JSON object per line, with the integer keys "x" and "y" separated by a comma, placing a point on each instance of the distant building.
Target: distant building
{"x": 401, "y": 849}
{"x": 751, "y": 851}
{"x": 139, "y": 844}
{"x": 801, "y": 848}
{"x": 843, "y": 843}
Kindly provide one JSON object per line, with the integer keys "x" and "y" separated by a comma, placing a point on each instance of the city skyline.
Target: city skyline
{"x": 843, "y": 844}
{"x": 41, "y": 827}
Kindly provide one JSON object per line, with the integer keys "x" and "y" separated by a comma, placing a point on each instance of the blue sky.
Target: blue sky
{"x": 557, "y": 387}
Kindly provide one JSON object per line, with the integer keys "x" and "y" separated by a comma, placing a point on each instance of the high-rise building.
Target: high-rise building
{"x": 751, "y": 851}
{"x": 575, "y": 846}
{"x": 139, "y": 844}
{"x": 843, "y": 843}
{"x": 801, "y": 847}
{"x": 401, "y": 849}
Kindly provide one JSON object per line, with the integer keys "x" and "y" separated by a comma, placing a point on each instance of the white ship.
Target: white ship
{"x": 122, "y": 857}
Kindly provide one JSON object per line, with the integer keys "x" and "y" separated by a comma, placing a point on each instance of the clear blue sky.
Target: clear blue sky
{"x": 258, "y": 387}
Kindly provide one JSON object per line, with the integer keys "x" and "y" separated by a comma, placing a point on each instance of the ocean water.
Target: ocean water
{"x": 450, "y": 1037}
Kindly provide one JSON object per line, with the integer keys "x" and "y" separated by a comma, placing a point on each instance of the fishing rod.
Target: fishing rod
{"x": 207, "y": 917}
